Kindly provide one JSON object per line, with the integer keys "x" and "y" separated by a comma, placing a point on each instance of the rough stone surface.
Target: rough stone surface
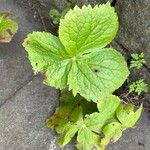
{"x": 22, "y": 119}
{"x": 63, "y": 3}
{"x": 25, "y": 102}
{"x": 134, "y": 31}
{"x": 134, "y": 34}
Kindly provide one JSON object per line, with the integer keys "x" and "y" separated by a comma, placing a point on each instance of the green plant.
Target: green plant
{"x": 57, "y": 15}
{"x": 78, "y": 61}
{"x": 138, "y": 87}
{"x": 137, "y": 60}
{"x": 8, "y": 27}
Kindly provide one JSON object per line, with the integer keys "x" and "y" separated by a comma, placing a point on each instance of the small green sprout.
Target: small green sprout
{"x": 137, "y": 60}
{"x": 57, "y": 15}
{"x": 138, "y": 87}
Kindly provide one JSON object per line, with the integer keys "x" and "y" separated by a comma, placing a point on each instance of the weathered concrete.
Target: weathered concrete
{"x": 134, "y": 21}
{"x": 22, "y": 119}
{"x": 134, "y": 34}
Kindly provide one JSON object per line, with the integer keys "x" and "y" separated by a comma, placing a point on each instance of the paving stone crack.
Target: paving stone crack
{"x": 30, "y": 78}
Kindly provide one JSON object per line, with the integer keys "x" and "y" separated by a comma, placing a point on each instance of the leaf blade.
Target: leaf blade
{"x": 86, "y": 28}
{"x": 98, "y": 74}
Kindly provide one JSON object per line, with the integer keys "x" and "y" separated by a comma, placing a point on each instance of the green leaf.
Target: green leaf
{"x": 68, "y": 112}
{"x": 8, "y": 27}
{"x": 93, "y": 74}
{"x": 47, "y": 55}
{"x": 127, "y": 116}
{"x": 87, "y": 28}
{"x": 68, "y": 134}
{"x": 43, "y": 49}
{"x": 112, "y": 132}
{"x": 109, "y": 104}
{"x": 87, "y": 140}
{"x": 68, "y": 118}
{"x": 57, "y": 74}
{"x": 98, "y": 74}
{"x": 107, "y": 108}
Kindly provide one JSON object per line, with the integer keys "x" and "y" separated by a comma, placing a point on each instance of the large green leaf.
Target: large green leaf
{"x": 127, "y": 116}
{"x": 95, "y": 73}
{"x": 43, "y": 49}
{"x": 8, "y": 28}
{"x": 87, "y": 28}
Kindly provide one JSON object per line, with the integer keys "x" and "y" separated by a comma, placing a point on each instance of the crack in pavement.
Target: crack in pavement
{"x": 31, "y": 77}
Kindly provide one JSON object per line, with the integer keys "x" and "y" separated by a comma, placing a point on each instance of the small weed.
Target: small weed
{"x": 137, "y": 60}
{"x": 138, "y": 87}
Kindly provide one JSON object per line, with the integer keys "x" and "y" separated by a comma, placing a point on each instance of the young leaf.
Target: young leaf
{"x": 8, "y": 28}
{"x": 88, "y": 71}
{"x": 87, "y": 140}
{"x": 138, "y": 87}
{"x": 68, "y": 112}
{"x": 68, "y": 134}
{"x": 107, "y": 108}
{"x": 112, "y": 132}
{"x": 127, "y": 116}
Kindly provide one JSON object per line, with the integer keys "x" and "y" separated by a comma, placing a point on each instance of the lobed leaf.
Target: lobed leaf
{"x": 127, "y": 116}
{"x": 87, "y": 28}
{"x": 98, "y": 74}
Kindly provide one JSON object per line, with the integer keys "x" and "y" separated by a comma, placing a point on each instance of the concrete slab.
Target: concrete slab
{"x": 22, "y": 119}
{"x": 15, "y": 69}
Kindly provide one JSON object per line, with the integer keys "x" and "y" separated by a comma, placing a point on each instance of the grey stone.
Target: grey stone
{"x": 134, "y": 34}
{"x": 134, "y": 21}
{"x": 15, "y": 69}
{"x": 59, "y": 4}
{"x": 22, "y": 119}
{"x": 63, "y": 3}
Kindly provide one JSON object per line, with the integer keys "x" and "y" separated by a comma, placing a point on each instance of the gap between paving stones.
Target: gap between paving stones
{"x": 31, "y": 77}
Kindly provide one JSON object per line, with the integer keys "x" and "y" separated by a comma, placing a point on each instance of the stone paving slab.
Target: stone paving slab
{"x": 22, "y": 119}
{"x": 15, "y": 69}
